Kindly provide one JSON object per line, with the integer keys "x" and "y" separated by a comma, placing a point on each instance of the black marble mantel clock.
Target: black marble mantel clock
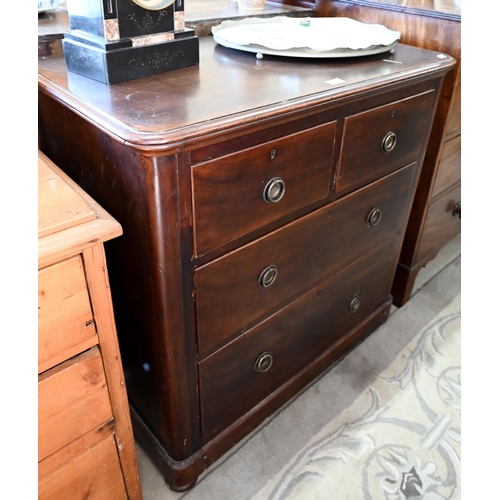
{"x": 112, "y": 41}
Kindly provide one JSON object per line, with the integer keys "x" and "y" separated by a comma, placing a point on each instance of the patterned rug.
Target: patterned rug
{"x": 399, "y": 440}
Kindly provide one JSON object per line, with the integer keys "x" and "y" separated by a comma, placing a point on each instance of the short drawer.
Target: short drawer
{"x": 236, "y": 290}
{"x": 73, "y": 399}
{"x": 441, "y": 223}
{"x": 241, "y": 192}
{"x": 238, "y": 376}
{"x": 380, "y": 140}
{"x": 449, "y": 170}
{"x": 95, "y": 473}
{"x": 65, "y": 321}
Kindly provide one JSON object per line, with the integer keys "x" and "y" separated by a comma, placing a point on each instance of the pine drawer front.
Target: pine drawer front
{"x": 229, "y": 291}
{"x": 230, "y": 383}
{"x": 380, "y": 140}
{"x": 441, "y": 224}
{"x": 65, "y": 321}
{"x": 93, "y": 474}
{"x": 244, "y": 191}
{"x": 73, "y": 399}
{"x": 449, "y": 171}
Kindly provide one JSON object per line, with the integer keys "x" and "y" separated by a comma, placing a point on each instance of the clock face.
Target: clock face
{"x": 153, "y": 4}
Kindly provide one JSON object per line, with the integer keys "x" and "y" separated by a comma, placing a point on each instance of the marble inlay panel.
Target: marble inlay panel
{"x": 111, "y": 31}
{"x": 179, "y": 20}
{"x": 152, "y": 39}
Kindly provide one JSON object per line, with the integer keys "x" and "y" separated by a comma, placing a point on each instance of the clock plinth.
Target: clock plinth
{"x": 112, "y": 41}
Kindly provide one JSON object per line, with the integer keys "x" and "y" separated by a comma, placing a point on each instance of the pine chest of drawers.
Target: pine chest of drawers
{"x": 263, "y": 204}
{"x": 85, "y": 441}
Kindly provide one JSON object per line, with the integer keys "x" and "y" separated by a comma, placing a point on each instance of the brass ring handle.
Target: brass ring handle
{"x": 355, "y": 304}
{"x": 374, "y": 217}
{"x": 389, "y": 142}
{"x": 264, "y": 362}
{"x": 457, "y": 210}
{"x": 268, "y": 276}
{"x": 274, "y": 190}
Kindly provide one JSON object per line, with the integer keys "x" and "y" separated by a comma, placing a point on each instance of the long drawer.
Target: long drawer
{"x": 236, "y": 290}
{"x": 93, "y": 474}
{"x": 74, "y": 391}
{"x": 238, "y": 376}
{"x": 241, "y": 192}
{"x": 382, "y": 139}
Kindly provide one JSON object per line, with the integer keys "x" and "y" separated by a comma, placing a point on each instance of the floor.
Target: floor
{"x": 153, "y": 485}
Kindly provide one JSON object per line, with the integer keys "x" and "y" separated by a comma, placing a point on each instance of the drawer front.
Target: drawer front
{"x": 401, "y": 125}
{"x": 239, "y": 193}
{"x": 449, "y": 170}
{"x": 440, "y": 223}
{"x": 230, "y": 383}
{"x": 73, "y": 399}
{"x": 230, "y": 295}
{"x": 94, "y": 474}
{"x": 65, "y": 322}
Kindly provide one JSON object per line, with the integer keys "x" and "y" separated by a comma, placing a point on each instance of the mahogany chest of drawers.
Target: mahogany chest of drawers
{"x": 263, "y": 205}
{"x": 85, "y": 441}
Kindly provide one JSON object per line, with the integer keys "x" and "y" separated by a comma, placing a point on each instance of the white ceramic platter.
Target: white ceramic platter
{"x": 256, "y": 49}
{"x": 305, "y": 37}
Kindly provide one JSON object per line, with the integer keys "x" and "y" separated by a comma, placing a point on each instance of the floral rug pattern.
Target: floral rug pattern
{"x": 399, "y": 440}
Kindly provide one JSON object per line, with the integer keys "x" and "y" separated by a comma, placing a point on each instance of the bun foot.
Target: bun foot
{"x": 180, "y": 489}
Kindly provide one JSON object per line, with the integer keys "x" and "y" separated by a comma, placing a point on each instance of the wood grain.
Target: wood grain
{"x": 65, "y": 394}
{"x": 59, "y": 206}
{"x": 362, "y": 158}
{"x": 177, "y": 109}
{"x": 228, "y": 193}
{"x": 230, "y": 299}
{"x": 440, "y": 224}
{"x": 94, "y": 474}
{"x": 65, "y": 321}
{"x": 66, "y": 240}
{"x": 450, "y": 169}
{"x": 229, "y": 383}
{"x": 100, "y": 294}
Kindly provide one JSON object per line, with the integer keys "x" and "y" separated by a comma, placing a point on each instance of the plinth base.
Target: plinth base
{"x": 128, "y": 63}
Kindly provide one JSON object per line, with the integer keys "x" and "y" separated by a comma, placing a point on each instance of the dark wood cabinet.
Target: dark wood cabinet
{"x": 263, "y": 213}
{"x": 434, "y": 221}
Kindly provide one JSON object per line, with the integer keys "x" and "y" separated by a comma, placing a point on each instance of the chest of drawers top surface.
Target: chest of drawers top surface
{"x": 59, "y": 206}
{"x": 68, "y": 219}
{"x": 183, "y": 105}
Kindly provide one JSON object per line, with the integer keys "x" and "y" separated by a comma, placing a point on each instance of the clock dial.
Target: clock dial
{"x": 153, "y": 4}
